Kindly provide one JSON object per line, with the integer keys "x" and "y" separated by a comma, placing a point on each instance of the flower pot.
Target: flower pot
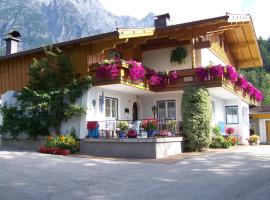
{"x": 122, "y": 134}
{"x": 151, "y": 133}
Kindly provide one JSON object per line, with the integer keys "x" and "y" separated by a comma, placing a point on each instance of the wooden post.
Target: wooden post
{"x": 193, "y": 52}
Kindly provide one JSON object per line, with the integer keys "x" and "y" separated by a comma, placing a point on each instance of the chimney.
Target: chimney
{"x": 12, "y": 42}
{"x": 162, "y": 20}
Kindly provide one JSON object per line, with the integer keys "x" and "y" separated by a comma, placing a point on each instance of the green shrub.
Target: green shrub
{"x": 220, "y": 142}
{"x": 196, "y": 112}
{"x": 216, "y": 131}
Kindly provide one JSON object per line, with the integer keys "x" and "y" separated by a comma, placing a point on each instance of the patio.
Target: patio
{"x": 144, "y": 139}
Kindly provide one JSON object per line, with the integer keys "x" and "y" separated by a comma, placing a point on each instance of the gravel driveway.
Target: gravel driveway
{"x": 242, "y": 173}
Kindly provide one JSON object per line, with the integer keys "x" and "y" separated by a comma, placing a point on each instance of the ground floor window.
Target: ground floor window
{"x": 232, "y": 115}
{"x": 111, "y": 106}
{"x": 166, "y": 109}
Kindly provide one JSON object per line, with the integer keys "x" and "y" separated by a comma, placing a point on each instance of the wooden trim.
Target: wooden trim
{"x": 193, "y": 59}
{"x": 267, "y": 128}
{"x": 260, "y": 116}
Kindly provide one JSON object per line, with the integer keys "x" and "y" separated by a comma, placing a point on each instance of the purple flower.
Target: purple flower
{"x": 216, "y": 71}
{"x": 242, "y": 82}
{"x": 173, "y": 76}
{"x": 136, "y": 71}
{"x": 250, "y": 89}
{"x": 257, "y": 95}
{"x": 231, "y": 73}
{"x": 150, "y": 72}
{"x": 108, "y": 70}
{"x": 155, "y": 80}
{"x": 202, "y": 73}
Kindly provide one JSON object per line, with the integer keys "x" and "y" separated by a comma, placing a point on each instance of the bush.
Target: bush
{"x": 196, "y": 112}
{"x": 254, "y": 139}
{"x": 63, "y": 142}
{"x": 220, "y": 142}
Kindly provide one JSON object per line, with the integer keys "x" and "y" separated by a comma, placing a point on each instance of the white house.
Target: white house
{"x": 225, "y": 40}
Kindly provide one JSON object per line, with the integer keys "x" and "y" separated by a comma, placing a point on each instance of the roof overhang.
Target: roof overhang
{"x": 238, "y": 31}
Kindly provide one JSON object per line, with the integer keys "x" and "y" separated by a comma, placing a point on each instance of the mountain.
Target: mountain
{"x": 50, "y": 21}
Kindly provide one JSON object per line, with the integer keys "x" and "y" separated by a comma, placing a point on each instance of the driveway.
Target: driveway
{"x": 239, "y": 174}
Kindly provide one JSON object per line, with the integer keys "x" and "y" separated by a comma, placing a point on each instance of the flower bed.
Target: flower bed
{"x": 230, "y": 74}
{"x": 60, "y": 145}
{"x": 56, "y": 151}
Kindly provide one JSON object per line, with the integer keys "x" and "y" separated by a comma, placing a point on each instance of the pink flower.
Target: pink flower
{"x": 155, "y": 80}
{"x": 173, "y": 76}
{"x": 230, "y": 130}
{"x": 110, "y": 71}
{"x": 216, "y": 71}
{"x": 136, "y": 71}
{"x": 231, "y": 73}
{"x": 202, "y": 73}
{"x": 242, "y": 82}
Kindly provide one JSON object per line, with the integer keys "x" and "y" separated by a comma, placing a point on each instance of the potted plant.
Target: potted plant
{"x": 165, "y": 133}
{"x": 123, "y": 126}
{"x": 171, "y": 126}
{"x": 132, "y": 133}
{"x": 230, "y": 130}
{"x": 150, "y": 125}
{"x": 254, "y": 140}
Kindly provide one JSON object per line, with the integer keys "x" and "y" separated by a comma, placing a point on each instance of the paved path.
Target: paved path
{"x": 240, "y": 174}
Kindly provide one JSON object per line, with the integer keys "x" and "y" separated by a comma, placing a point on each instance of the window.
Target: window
{"x": 166, "y": 109}
{"x": 111, "y": 107}
{"x": 245, "y": 116}
{"x": 232, "y": 115}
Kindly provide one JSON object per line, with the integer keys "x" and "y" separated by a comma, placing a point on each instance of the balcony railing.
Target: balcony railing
{"x": 108, "y": 128}
{"x": 186, "y": 77}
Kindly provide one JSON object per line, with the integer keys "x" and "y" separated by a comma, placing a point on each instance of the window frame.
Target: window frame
{"x": 166, "y": 108}
{"x": 104, "y": 107}
{"x": 226, "y": 113}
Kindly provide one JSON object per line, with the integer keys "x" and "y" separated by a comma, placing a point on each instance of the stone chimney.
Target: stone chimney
{"x": 162, "y": 20}
{"x": 12, "y": 42}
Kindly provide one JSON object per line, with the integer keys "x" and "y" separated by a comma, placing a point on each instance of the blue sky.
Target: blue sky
{"x": 189, "y": 10}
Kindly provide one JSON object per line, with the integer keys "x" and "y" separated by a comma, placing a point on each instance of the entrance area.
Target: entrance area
{"x": 135, "y": 112}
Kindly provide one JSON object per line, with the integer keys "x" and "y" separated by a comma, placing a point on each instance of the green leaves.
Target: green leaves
{"x": 196, "y": 113}
{"x": 178, "y": 55}
{"x": 49, "y": 97}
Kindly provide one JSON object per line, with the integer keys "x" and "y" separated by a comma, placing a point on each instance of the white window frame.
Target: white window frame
{"x": 166, "y": 108}
{"x": 111, "y": 99}
{"x": 237, "y": 116}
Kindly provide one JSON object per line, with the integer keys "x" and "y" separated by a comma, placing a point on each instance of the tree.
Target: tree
{"x": 48, "y": 98}
{"x": 196, "y": 112}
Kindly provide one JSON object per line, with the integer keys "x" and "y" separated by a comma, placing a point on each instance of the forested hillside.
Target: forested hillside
{"x": 260, "y": 77}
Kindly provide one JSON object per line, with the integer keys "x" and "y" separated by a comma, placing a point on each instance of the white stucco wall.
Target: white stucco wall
{"x": 125, "y": 100}
{"x": 219, "y": 111}
{"x": 240, "y": 128}
{"x": 207, "y": 58}
{"x": 160, "y": 59}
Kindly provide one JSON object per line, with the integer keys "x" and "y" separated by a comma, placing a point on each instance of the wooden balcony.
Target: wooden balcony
{"x": 187, "y": 77}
